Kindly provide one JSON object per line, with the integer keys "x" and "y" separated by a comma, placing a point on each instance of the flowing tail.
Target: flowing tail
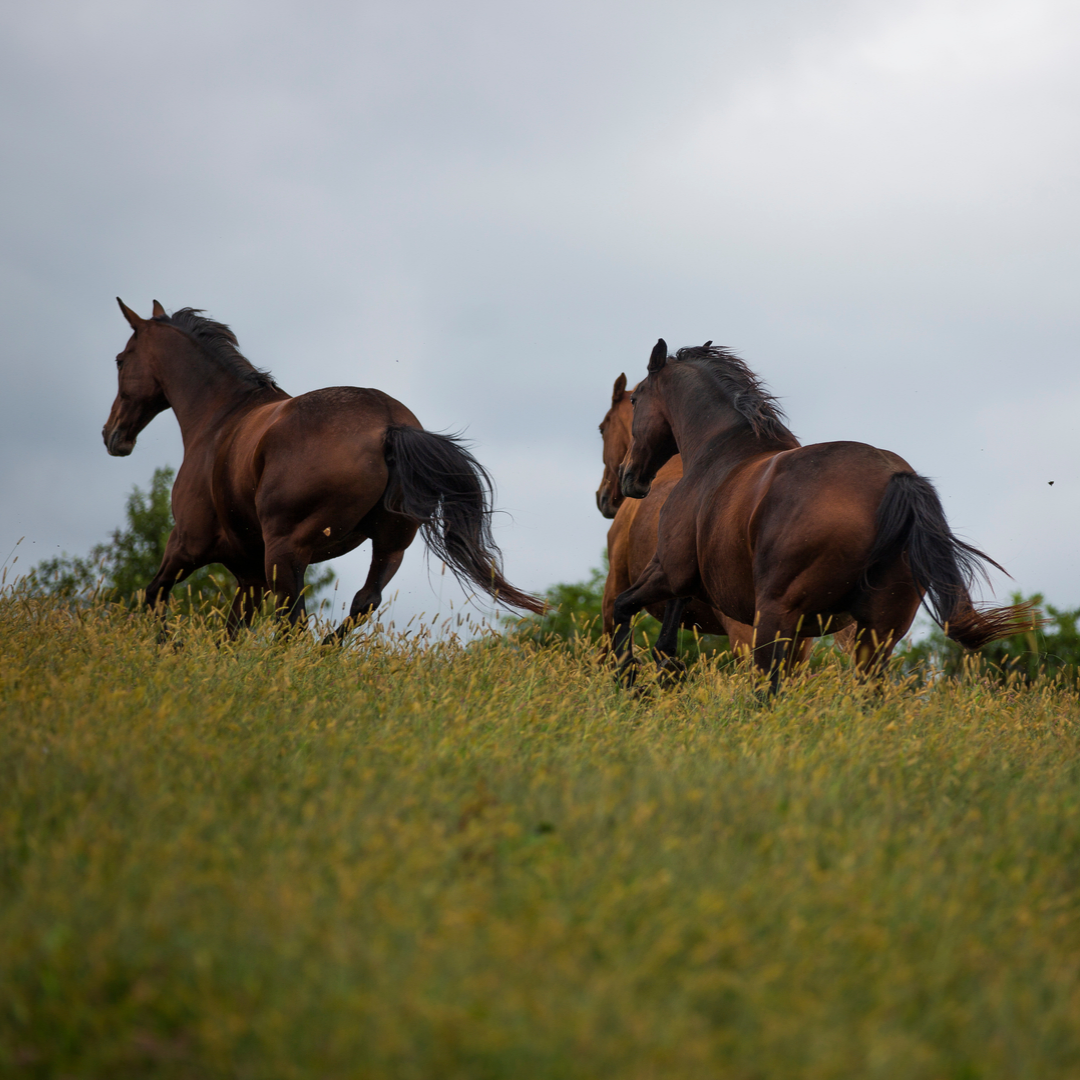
{"x": 911, "y": 519}
{"x": 437, "y": 482}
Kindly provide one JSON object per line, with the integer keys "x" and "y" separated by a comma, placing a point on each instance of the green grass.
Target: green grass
{"x": 406, "y": 860}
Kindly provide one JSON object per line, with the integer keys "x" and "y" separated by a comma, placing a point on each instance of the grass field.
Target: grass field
{"x": 431, "y": 861}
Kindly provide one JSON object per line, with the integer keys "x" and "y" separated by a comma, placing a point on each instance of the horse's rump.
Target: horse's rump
{"x": 314, "y": 464}
{"x": 795, "y": 529}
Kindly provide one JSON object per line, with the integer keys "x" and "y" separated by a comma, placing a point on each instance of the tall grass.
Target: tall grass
{"x": 263, "y": 858}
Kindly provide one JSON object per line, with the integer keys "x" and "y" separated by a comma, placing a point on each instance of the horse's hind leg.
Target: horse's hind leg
{"x": 390, "y": 535}
{"x": 285, "y": 568}
{"x": 883, "y": 615}
{"x": 775, "y": 646}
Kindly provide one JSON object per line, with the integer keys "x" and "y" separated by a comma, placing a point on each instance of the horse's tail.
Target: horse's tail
{"x": 438, "y": 483}
{"x": 911, "y": 520}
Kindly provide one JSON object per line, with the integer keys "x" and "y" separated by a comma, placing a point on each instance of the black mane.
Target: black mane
{"x": 220, "y": 343}
{"x": 742, "y": 387}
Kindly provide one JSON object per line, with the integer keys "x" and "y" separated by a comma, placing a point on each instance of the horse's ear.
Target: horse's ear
{"x": 620, "y": 389}
{"x": 133, "y": 320}
{"x": 159, "y": 311}
{"x": 659, "y": 356}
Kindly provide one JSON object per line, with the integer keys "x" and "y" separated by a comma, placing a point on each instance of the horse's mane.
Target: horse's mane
{"x": 741, "y": 386}
{"x": 220, "y": 343}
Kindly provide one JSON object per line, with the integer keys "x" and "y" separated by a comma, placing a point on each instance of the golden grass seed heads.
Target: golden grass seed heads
{"x": 455, "y": 859}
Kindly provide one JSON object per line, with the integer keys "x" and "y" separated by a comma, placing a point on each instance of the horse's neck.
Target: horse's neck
{"x": 712, "y": 432}
{"x": 733, "y": 446}
{"x": 201, "y": 393}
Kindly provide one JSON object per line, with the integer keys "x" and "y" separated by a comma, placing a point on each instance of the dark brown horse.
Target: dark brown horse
{"x": 271, "y": 483}
{"x": 796, "y": 540}
{"x": 632, "y": 538}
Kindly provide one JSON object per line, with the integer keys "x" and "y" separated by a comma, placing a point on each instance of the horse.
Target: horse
{"x": 796, "y": 540}
{"x": 632, "y": 544}
{"x": 631, "y": 540}
{"x": 271, "y": 483}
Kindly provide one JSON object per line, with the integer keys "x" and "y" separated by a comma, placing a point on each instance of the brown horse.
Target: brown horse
{"x": 632, "y": 538}
{"x": 272, "y": 483}
{"x": 796, "y": 540}
{"x": 632, "y": 544}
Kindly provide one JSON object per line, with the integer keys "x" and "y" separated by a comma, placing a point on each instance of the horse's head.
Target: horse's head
{"x": 139, "y": 397}
{"x": 615, "y": 430}
{"x": 652, "y": 439}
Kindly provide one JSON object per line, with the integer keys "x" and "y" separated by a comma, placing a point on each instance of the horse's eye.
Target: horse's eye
{"x": 633, "y": 401}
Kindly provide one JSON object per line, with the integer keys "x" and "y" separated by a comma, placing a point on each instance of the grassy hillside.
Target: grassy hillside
{"x": 405, "y": 860}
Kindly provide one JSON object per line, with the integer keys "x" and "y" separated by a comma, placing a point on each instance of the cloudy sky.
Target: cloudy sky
{"x": 491, "y": 209}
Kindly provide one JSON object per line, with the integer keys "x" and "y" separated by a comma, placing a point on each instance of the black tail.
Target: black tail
{"x": 911, "y": 519}
{"x": 437, "y": 482}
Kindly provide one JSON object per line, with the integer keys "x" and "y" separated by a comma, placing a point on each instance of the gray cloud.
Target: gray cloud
{"x": 490, "y": 210}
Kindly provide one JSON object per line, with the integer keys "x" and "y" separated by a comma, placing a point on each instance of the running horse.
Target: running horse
{"x": 632, "y": 539}
{"x": 272, "y": 483}
{"x": 797, "y": 541}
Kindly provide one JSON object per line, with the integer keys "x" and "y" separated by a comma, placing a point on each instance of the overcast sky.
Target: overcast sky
{"x": 491, "y": 209}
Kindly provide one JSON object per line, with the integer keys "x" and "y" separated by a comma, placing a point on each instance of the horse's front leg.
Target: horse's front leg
{"x": 651, "y": 588}
{"x": 176, "y": 565}
{"x": 245, "y": 603}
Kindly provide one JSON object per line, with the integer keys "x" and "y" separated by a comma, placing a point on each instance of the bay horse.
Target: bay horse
{"x": 795, "y": 540}
{"x": 271, "y": 483}
{"x": 631, "y": 540}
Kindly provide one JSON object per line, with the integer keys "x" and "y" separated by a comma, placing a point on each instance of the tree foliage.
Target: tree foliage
{"x": 122, "y": 567}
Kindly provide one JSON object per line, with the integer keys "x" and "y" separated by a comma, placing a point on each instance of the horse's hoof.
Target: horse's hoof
{"x": 670, "y": 672}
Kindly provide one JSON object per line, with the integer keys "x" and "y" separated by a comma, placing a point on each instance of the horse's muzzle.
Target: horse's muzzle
{"x": 632, "y": 487}
{"x": 116, "y": 444}
{"x": 603, "y": 504}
